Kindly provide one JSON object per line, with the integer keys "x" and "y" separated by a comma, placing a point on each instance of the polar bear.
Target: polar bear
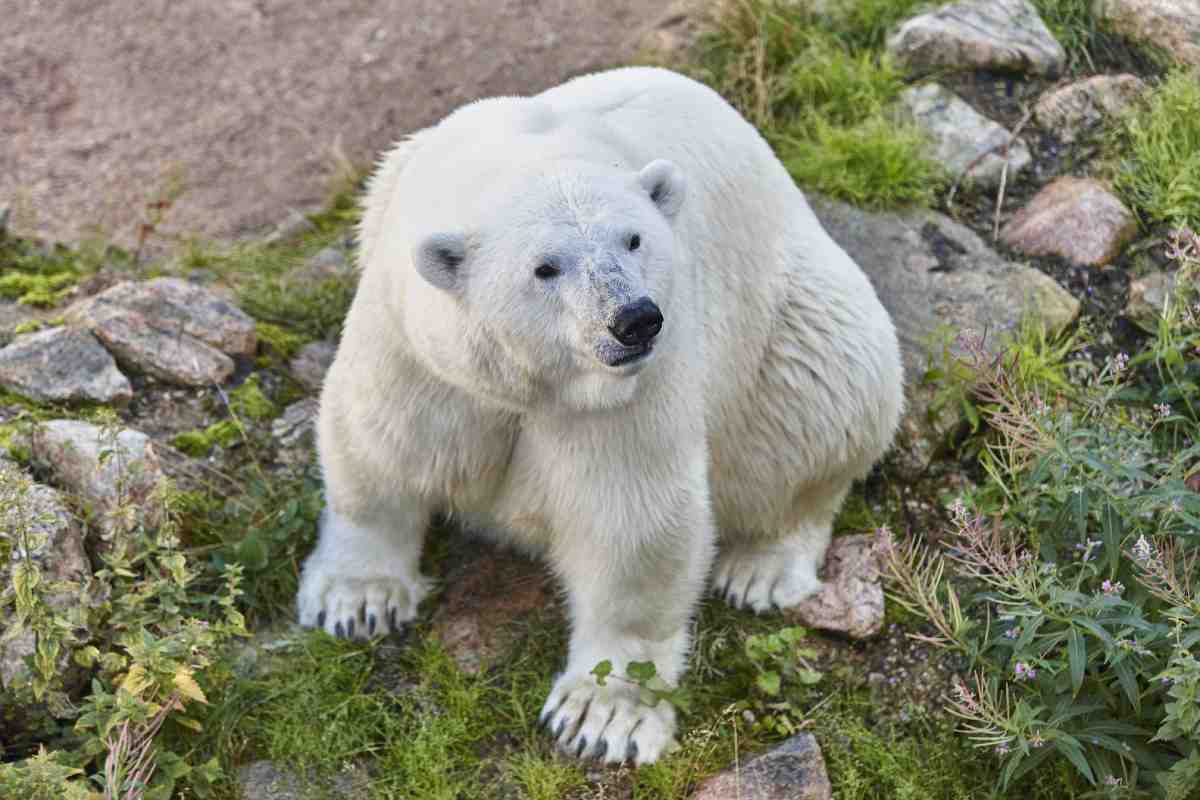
{"x": 600, "y": 323}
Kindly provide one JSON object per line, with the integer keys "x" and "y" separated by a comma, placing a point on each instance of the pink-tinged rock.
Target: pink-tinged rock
{"x": 795, "y": 770}
{"x": 485, "y": 597}
{"x": 63, "y": 365}
{"x": 1075, "y": 218}
{"x": 172, "y": 307}
{"x": 311, "y": 363}
{"x": 1072, "y": 110}
{"x": 177, "y": 358}
{"x": 851, "y": 601}
{"x": 1171, "y": 24}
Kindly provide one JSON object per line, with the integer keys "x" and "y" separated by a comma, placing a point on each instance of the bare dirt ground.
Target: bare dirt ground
{"x": 251, "y": 107}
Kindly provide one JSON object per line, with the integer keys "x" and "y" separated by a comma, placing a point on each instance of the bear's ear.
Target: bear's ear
{"x": 665, "y": 184}
{"x": 439, "y": 259}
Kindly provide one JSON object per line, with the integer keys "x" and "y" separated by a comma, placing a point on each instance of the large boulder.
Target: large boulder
{"x": 1171, "y": 24}
{"x": 62, "y": 365}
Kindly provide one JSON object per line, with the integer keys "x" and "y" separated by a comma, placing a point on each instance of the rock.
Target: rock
{"x": 63, "y": 365}
{"x": 932, "y": 273}
{"x": 851, "y": 600}
{"x": 1075, "y": 218}
{"x": 12, "y": 315}
{"x": 330, "y": 262}
{"x": 5, "y": 214}
{"x": 294, "y": 427}
{"x": 296, "y": 223}
{"x": 263, "y": 780}
{"x": 1171, "y": 24}
{"x": 1072, "y": 110}
{"x": 962, "y": 137}
{"x": 173, "y": 307}
{"x": 123, "y": 480}
{"x": 36, "y": 515}
{"x": 172, "y": 357}
{"x": 311, "y": 363}
{"x": 1006, "y": 35}
{"x": 1148, "y": 296}
{"x": 674, "y": 33}
{"x": 482, "y": 599}
{"x": 795, "y": 770}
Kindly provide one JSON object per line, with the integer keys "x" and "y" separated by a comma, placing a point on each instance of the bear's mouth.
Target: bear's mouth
{"x": 623, "y": 356}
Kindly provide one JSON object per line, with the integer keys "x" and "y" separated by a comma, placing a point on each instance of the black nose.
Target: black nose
{"x": 637, "y": 323}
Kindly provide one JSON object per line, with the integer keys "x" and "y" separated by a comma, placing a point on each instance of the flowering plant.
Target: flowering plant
{"x": 1071, "y": 581}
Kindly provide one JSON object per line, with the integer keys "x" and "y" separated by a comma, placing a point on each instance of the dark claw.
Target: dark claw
{"x": 392, "y": 626}
{"x": 321, "y": 619}
{"x": 350, "y": 627}
{"x": 371, "y": 625}
{"x": 725, "y": 588}
{"x": 338, "y": 631}
{"x": 581, "y": 746}
{"x": 601, "y": 749}
{"x": 362, "y": 612}
{"x": 631, "y": 751}
{"x": 561, "y": 725}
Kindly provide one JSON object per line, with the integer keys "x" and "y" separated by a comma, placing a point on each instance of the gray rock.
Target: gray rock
{"x": 978, "y": 34}
{"x": 851, "y": 600}
{"x": 1170, "y": 24}
{"x": 13, "y": 314}
{"x": 295, "y": 223}
{"x": 1073, "y": 110}
{"x": 932, "y": 273}
{"x": 1148, "y": 296}
{"x": 311, "y": 363}
{"x": 122, "y": 479}
{"x": 173, "y": 307}
{"x": 5, "y": 214}
{"x": 263, "y": 780}
{"x": 330, "y": 262}
{"x": 795, "y": 770}
{"x": 1075, "y": 218}
{"x": 62, "y": 365}
{"x": 38, "y": 525}
{"x": 964, "y": 140}
{"x": 294, "y": 427}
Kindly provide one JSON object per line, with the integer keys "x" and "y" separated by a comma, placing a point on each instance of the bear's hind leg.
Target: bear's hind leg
{"x": 766, "y": 572}
{"x": 364, "y": 579}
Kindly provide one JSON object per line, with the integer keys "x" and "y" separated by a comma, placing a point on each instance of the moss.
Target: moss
{"x": 1158, "y": 152}
{"x": 29, "y": 326}
{"x": 279, "y": 340}
{"x": 37, "y": 290}
{"x": 200, "y": 443}
{"x": 249, "y": 401}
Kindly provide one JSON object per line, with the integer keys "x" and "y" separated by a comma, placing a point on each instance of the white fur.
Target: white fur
{"x": 475, "y": 387}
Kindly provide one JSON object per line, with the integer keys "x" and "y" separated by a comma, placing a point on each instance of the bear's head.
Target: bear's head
{"x": 558, "y": 293}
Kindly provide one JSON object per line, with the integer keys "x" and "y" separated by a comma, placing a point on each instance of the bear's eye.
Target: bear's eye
{"x": 546, "y": 270}
{"x": 635, "y": 242}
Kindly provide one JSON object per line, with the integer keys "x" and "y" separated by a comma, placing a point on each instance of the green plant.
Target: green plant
{"x": 1080, "y": 568}
{"x": 779, "y": 664}
{"x": 1158, "y": 142}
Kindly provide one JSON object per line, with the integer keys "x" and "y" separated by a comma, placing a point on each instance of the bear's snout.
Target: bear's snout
{"x": 637, "y": 323}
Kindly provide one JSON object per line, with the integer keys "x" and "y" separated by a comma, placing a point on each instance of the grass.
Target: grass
{"x": 1158, "y": 147}
{"x": 822, "y": 98}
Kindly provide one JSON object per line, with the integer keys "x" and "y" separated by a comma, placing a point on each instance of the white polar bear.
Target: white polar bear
{"x": 601, "y": 323}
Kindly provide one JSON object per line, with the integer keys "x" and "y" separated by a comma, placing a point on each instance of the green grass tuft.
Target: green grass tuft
{"x": 1159, "y": 142}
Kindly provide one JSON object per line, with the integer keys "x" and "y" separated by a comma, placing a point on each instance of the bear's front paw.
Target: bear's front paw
{"x": 765, "y": 578}
{"x": 608, "y": 723}
{"x": 358, "y": 606}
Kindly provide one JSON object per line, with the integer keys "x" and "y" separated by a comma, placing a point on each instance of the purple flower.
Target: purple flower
{"x": 1024, "y": 672}
{"x": 1142, "y": 549}
{"x": 1163, "y": 410}
{"x": 1112, "y": 588}
{"x": 1012, "y": 633}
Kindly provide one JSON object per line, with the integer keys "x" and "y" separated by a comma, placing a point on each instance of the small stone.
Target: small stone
{"x": 851, "y": 599}
{"x": 174, "y": 306}
{"x": 483, "y": 598}
{"x": 264, "y": 780}
{"x": 123, "y": 479}
{"x": 296, "y": 223}
{"x": 1004, "y": 35}
{"x": 1072, "y": 110}
{"x": 63, "y": 365}
{"x": 311, "y": 363}
{"x": 1171, "y": 24}
{"x": 962, "y": 137}
{"x": 795, "y": 770}
{"x": 294, "y": 427}
{"x": 1075, "y": 218}
{"x": 1148, "y": 296}
{"x": 330, "y": 262}
{"x": 175, "y": 358}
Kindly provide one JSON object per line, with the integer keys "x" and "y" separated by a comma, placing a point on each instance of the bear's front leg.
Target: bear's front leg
{"x": 632, "y": 594}
{"x": 364, "y": 578}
